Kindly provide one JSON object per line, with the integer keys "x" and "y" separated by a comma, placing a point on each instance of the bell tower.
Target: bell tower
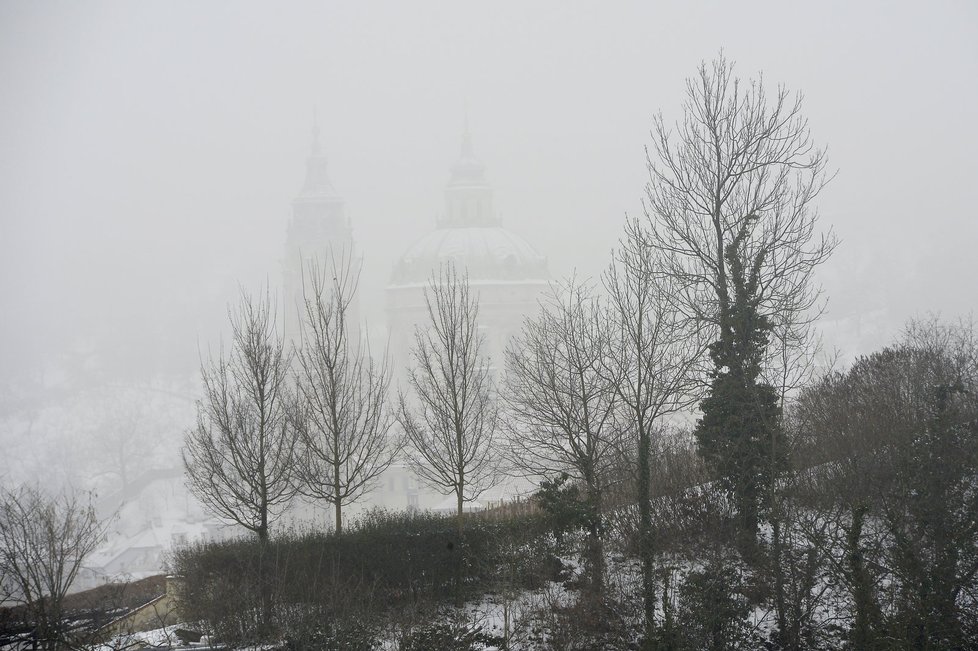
{"x": 317, "y": 231}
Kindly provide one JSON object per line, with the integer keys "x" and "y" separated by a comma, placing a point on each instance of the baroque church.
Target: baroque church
{"x": 506, "y": 272}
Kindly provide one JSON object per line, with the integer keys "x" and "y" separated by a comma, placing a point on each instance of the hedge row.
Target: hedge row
{"x": 385, "y": 562}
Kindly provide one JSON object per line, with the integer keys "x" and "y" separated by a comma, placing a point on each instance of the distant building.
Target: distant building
{"x": 318, "y": 230}
{"x": 505, "y": 271}
{"x": 155, "y": 516}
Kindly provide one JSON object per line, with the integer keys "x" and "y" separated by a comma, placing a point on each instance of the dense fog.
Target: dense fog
{"x": 150, "y": 154}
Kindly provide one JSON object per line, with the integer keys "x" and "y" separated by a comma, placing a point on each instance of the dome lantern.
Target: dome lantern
{"x": 468, "y": 196}
{"x": 470, "y": 235}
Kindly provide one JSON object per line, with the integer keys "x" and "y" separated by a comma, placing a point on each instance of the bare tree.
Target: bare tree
{"x": 730, "y": 209}
{"x": 563, "y": 401}
{"x": 654, "y": 358}
{"x": 344, "y": 417}
{"x": 43, "y": 542}
{"x": 452, "y": 425}
{"x": 240, "y": 457}
{"x": 121, "y": 442}
{"x": 127, "y": 428}
{"x": 740, "y": 162}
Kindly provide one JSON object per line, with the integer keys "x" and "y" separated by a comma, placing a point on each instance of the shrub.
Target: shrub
{"x": 567, "y": 511}
{"x": 346, "y": 636}
{"x": 449, "y": 635}
{"x": 713, "y": 611}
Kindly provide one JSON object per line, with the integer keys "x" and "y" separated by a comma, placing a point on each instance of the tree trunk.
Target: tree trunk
{"x": 595, "y": 550}
{"x": 863, "y": 633}
{"x": 668, "y": 637}
{"x": 748, "y": 516}
{"x": 264, "y": 580}
{"x": 645, "y": 533}
{"x": 457, "y": 549}
{"x": 777, "y": 566}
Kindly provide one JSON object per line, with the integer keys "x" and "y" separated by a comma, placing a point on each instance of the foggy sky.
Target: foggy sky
{"x": 149, "y": 152}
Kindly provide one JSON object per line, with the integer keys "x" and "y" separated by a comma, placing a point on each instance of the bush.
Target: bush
{"x": 713, "y": 610}
{"x": 567, "y": 510}
{"x": 348, "y": 636}
{"x": 449, "y": 635}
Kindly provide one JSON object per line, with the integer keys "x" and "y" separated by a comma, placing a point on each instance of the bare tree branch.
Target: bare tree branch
{"x": 559, "y": 393}
{"x": 739, "y": 162}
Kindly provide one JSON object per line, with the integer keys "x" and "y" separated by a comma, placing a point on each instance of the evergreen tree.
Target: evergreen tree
{"x": 739, "y": 431}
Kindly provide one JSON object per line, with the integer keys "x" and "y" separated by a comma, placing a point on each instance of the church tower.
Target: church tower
{"x": 318, "y": 230}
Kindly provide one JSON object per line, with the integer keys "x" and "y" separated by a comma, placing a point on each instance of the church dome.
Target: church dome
{"x": 470, "y": 236}
{"x": 485, "y": 252}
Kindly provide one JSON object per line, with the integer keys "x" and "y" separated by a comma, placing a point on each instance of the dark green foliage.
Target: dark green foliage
{"x": 571, "y": 509}
{"x": 739, "y": 432}
{"x": 712, "y": 610}
{"x": 567, "y": 510}
{"x": 795, "y": 579}
{"x": 735, "y": 436}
